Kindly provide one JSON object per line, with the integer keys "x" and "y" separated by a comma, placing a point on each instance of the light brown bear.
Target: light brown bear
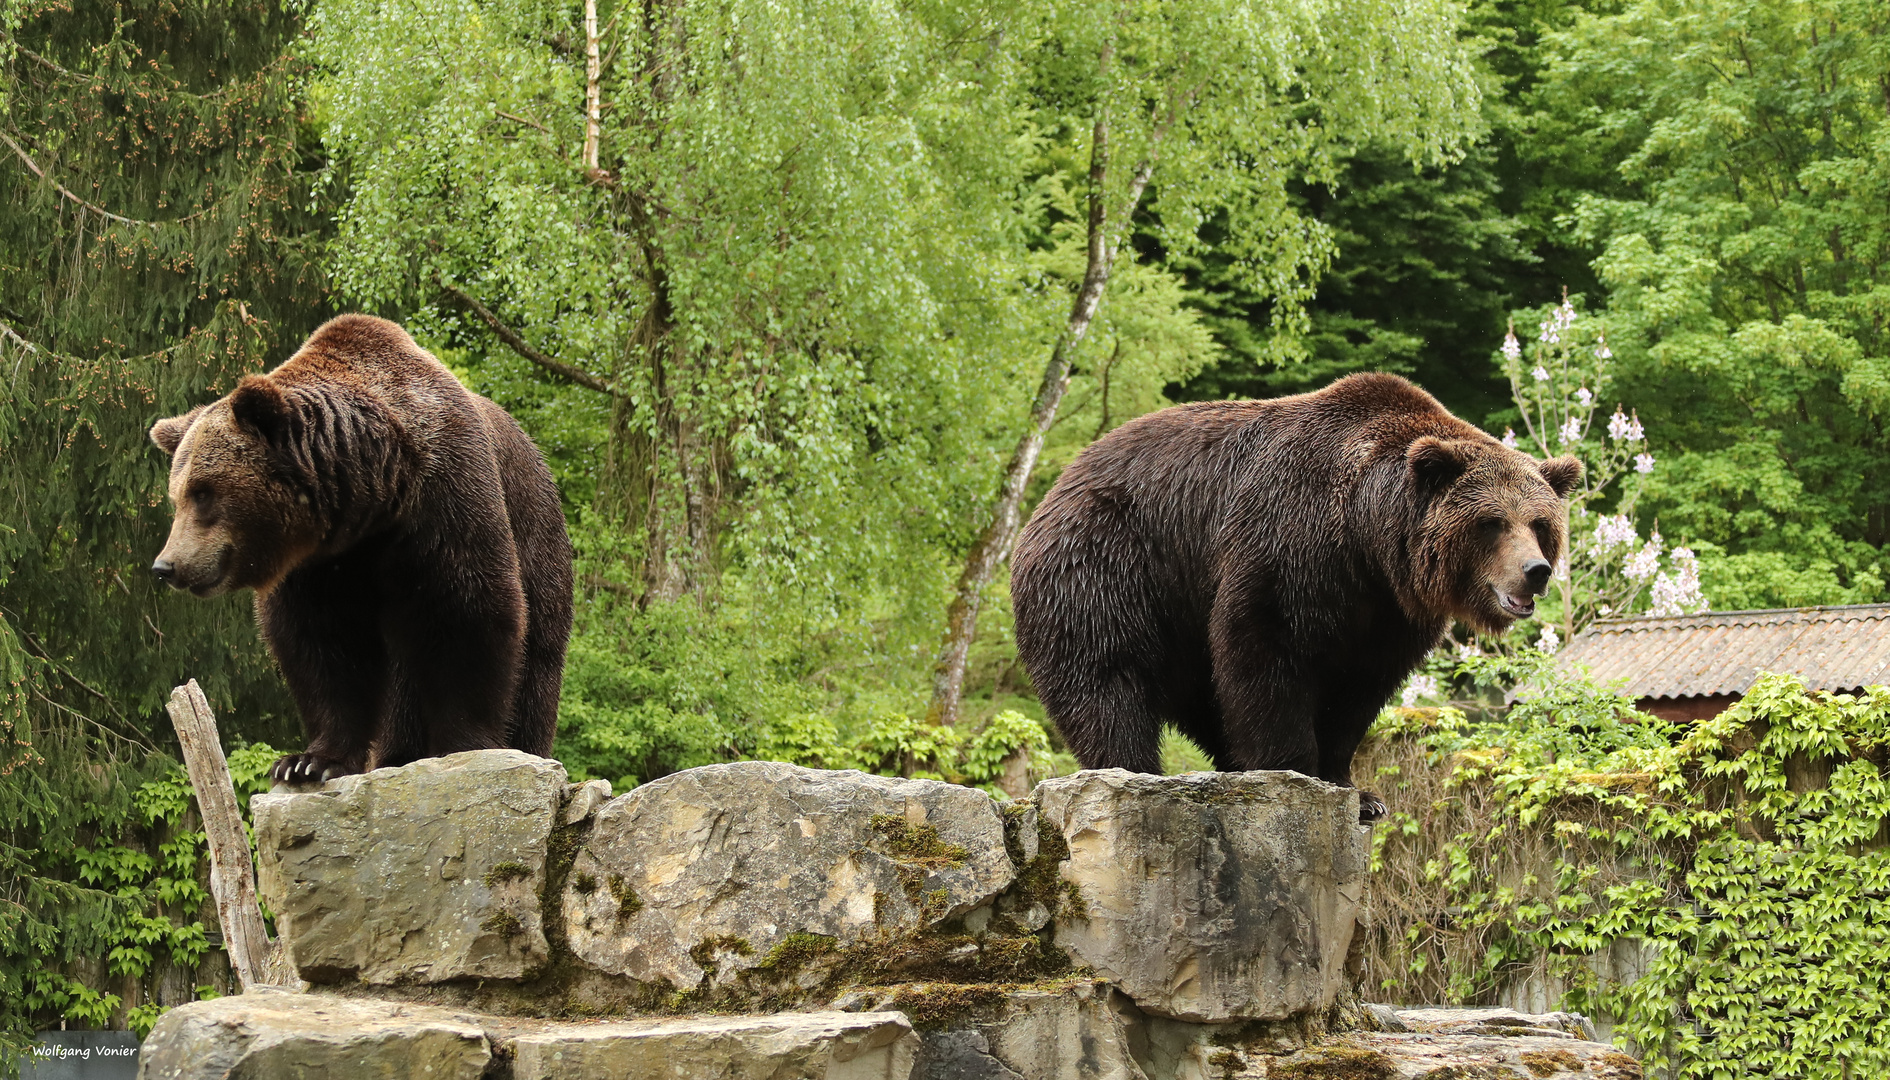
{"x": 1263, "y": 574}
{"x": 404, "y": 539}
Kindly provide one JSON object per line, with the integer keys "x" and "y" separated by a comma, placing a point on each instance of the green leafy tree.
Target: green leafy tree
{"x": 153, "y": 247}
{"x": 1744, "y": 259}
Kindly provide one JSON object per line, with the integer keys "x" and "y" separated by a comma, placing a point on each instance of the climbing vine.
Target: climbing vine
{"x": 1720, "y": 890}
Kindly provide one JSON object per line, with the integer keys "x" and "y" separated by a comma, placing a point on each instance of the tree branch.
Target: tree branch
{"x": 76, "y": 201}
{"x": 524, "y": 348}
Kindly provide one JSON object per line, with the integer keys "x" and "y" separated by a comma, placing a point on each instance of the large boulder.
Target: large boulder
{"x": 283, "y": 1036}
{"x": 1210, "y": 897}
{"x": 424, "y": 873}
{"x": 718, "y": 870}
{"x": 802, "y": 1046}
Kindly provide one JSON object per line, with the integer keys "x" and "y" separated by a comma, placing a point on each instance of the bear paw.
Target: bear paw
{"x": 306, "y": 769}
{"x": 1371, "y": 808}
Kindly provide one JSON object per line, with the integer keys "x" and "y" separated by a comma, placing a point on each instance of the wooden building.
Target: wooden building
{"x": 1691, "y": 667}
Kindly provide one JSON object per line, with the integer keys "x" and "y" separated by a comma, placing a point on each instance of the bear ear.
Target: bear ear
{"x": 258, "y": 403}
{"x": 1437, "y": 462}
{"x": 1562, "y": 473}
{"x": 168, "y": 432}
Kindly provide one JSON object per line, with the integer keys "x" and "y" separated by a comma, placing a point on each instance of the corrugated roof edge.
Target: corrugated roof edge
{"x": 1739, "y": 615}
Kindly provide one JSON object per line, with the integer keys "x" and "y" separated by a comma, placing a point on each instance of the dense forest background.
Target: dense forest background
{"x": 789, "y": 295}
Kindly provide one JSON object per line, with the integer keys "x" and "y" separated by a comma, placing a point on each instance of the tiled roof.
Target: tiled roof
{"x": 1831, "y": 648}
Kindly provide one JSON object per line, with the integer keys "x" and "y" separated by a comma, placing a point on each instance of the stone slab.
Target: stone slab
{"x": 784, "y": 1046}
{"x": 423, "y": 873}
{"x": 282, "y": 1036}
{"x": 1211, "y": 897}
{"x": 1391, "y": 1056}
{"x": 706, "y": 872}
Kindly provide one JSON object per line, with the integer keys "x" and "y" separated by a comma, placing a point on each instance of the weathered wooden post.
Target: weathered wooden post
{"x": 255, "y": 958}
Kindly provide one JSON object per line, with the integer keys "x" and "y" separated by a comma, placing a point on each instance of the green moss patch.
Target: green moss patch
{"x": 507, "y": 871}
{"x": 917, "y": 843}
{"x": 503, "y": 923}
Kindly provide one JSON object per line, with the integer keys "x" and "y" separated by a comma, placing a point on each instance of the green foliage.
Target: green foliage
{"x": 1743, "y": 251}
{"x": 1742, "y": 858}
{"x": 154, "y": 246}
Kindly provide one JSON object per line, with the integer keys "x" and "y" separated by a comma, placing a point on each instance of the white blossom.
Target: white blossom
{"x": 1582, "y": 395}
{"x": 1643, "y": 463}
{"x": 1561, "y": 569}
{"x": 1615, "y": 531}
{"x": 1571, "y": 431}
{"x": 1644, "y": 563}
{"x": 1549, "y": 641}
{"x": 1604, "y": 610}
{"x": 1541, "y": 373}
{"x": 1634, "y": 432}
{"x": 1602, "y": 352}
{"x": 1467, "y": 650}
{"x": 1511, "y": 347}
{"x": 1679, "y": 594}
{"x": 1551, "y": 333}
{"x": 1509, "y": 437}
{"x": 1420, "y": 686}
{"x": 1618, "y": 425}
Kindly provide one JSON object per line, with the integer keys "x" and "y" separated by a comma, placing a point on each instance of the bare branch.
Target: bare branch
{"x": 524, "y": 348}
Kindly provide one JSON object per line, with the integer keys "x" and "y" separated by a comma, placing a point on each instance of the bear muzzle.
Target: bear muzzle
{"x": 1535, "y": 574}
{"x": 200, "y": 577}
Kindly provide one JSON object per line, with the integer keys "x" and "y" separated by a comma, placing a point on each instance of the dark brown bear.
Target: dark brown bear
{"x": 1263, "y": 574}
{"x": 404, "y": 539}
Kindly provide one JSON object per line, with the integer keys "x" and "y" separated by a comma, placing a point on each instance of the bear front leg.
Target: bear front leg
{"x": 1349, "y": 709}
{"x": 456, "y": 656}
{"x": 320, "y": 625}
{"x": 1267, "y": 705}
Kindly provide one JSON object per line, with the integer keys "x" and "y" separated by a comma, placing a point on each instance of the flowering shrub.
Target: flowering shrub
{"x": 1610, "y": 568}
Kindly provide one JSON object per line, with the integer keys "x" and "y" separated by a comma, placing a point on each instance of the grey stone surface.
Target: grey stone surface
{"x": 282, "y": 1036}
{"x": 784, "y": 1046}
{"x": 705, "y": 872}
{"x": 422, "y": 873}
{"x": 1211, "y": 896}
{"x": 582, "y": 800}
{"x": 1389, "y": 1056}
{"x": 1083, "y": 1031}
{"x": 1454, "y": 1021}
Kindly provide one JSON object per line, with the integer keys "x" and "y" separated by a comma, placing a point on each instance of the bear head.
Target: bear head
{"x": 240, "y": 522}
{"x": 1495, "y": 526}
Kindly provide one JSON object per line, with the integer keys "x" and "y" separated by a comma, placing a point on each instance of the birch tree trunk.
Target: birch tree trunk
{"x": 994, "y": 543}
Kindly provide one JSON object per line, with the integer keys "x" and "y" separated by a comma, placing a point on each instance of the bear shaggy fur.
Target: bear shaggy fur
{"x": 1263, "y": 574}
{"x": 404, "y": 539}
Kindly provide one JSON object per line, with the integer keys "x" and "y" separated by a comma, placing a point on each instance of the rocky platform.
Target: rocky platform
{"x": 477, "y": 916}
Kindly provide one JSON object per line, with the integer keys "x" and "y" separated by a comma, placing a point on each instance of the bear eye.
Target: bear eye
{"x": 1545, "y": 535}
{"x": 1491, "y": 526}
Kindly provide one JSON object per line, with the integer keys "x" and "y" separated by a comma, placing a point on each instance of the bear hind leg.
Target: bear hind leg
{"x": 1112, "y": 725}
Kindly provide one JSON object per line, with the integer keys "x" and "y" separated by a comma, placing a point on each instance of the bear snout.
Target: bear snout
{"x": 202, "y": 576}
{"x": 1536, "y": 573}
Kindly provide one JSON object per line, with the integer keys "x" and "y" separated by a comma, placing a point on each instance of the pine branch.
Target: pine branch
{"x": 93, "y": 207}
{"x": 524, "y": 348}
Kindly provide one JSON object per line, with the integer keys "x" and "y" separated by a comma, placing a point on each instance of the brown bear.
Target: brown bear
{"x": 1263, "y": 574}
{"x": 404, "y": 539}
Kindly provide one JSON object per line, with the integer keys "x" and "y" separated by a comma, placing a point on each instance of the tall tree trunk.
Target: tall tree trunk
{"x": 994, "y": 543}
{"x": 593, "y": 99}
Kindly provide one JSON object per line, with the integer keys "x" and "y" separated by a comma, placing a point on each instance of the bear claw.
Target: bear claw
{"x": 305, "y": 769}
{"x": 1371, "y": 808}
